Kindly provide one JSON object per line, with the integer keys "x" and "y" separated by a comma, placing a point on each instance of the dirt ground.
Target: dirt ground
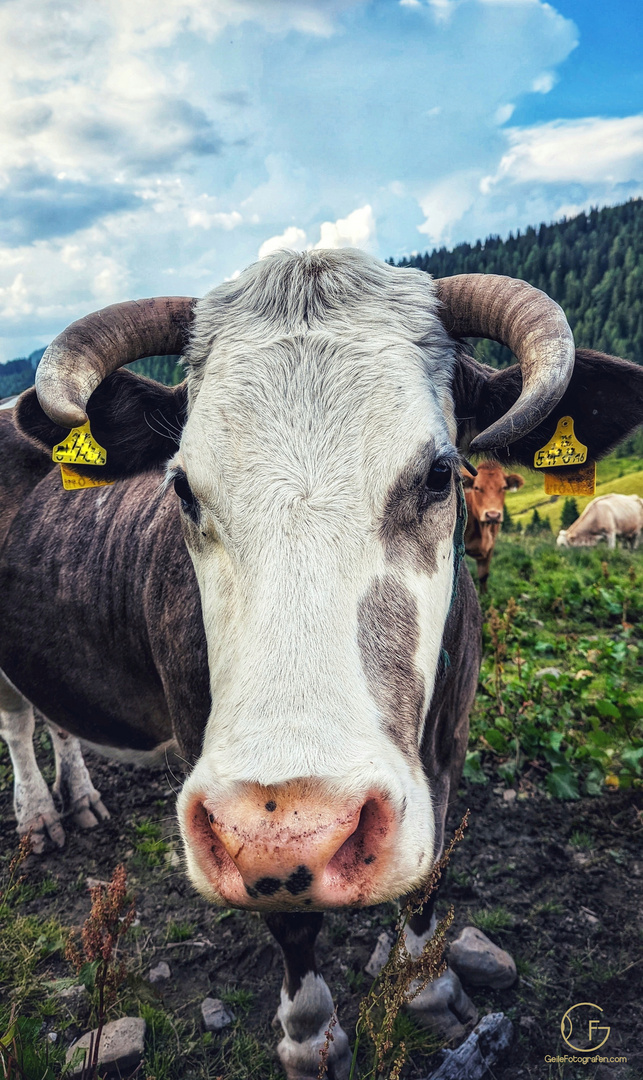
{"x": 559, "y": 885}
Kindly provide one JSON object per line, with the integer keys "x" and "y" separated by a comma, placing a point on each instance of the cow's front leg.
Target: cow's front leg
{"x": 73, "y": 785}
{"x": 306, "y": 1007}
{"x": 33, "y": 804}
{"x": 442, "y": 1006}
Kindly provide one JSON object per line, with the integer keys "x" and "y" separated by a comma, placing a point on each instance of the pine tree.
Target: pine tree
{"x": 569, "y": 514}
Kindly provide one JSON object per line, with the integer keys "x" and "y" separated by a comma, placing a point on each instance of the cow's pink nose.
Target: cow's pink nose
{"x": 493, "y": 515}
{"x": 293, "y": 845}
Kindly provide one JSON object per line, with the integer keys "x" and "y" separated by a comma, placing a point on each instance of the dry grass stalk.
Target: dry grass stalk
{"x": 402, "y": 978}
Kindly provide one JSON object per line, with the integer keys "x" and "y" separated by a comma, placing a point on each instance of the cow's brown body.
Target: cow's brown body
{"x": 485, "y": 498}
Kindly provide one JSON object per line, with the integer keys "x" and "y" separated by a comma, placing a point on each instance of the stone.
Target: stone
{"x": 216, "y": 1015}
{"x": 159, "y": 973}
{"x": 379, "y": 956}
{"x": 509, "y": 796}
{"x": 481, "y": 963}
{"x": 121, "y": 1046}
{"x": 72, "y": 997}
{"x": 479, "y": 1052}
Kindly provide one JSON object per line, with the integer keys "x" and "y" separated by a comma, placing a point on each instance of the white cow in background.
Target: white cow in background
{"x": 605, "y": 518}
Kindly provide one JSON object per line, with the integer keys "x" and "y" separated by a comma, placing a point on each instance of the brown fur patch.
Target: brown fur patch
{"x": 388, "y": 636}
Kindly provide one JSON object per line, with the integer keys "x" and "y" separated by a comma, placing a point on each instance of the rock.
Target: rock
{"x": 121, "y": 1046}
{"x": 479, "y": 962}
{"x": 159, "y": 973}
{"x": 509, "y": 795}
{"x": 216, "y": 1015}
{"x": 72, "y": 997}
{"x": 481, "y": 1050}
{"x": 379, "y": 956}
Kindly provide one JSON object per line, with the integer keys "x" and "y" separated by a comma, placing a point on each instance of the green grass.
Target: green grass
{"x": 149, "y": 846}
{"x": 560, "y": 698}
{"x": 180, "y": 931}
{"x": 581, "y": 840}
{"x": 490, "y": 920}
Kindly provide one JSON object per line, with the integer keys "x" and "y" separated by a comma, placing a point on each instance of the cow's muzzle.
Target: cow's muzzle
{"x": 292, "y": 846}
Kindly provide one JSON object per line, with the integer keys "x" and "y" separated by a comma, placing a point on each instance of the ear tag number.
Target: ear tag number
{"x": 563, "y": 449}
{"x": 73, "y": 481}
{"x": 79, "y": 448}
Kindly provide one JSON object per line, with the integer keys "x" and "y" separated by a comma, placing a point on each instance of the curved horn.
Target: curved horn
{"x": 89, "y": 350}
{"x": 532, "y": 325}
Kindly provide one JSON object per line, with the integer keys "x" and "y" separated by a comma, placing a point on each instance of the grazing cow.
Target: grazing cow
{"x": 485, "y": 498}
{"x": 280, "y": 604}
{"x": 605, "y": 518}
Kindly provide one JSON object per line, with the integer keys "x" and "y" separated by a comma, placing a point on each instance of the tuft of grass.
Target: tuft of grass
{"x": 581, "y": 840}
{"x": 149, "y": 846}
{"x": 238, "y": 998}
{"x": 490, "y": 920}
{"x": 179, "y": 931}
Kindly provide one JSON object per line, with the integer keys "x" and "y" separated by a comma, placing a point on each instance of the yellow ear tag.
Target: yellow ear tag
{"x": 562, "y": 449}
{"x": 73, "y": 481}
{"x": 79, "y": 448}
{"x": 575, "y": 475}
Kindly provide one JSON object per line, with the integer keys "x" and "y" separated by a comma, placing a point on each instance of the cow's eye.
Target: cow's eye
{"x": 189, "y": 504}
{"x": 439, "y": 476}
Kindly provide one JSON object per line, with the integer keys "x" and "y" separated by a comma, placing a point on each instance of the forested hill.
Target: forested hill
{"x": 591, "y": 264}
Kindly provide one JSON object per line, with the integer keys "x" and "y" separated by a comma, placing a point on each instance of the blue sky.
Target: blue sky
{"x": 159, "y": 148}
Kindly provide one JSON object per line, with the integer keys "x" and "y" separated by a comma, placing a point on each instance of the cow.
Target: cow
{"x": 274, "y": 579}
{"x": 605, "y": 518}
{"x": 485, "y": 497}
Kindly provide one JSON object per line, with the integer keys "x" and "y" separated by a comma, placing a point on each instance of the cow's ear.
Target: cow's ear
{"x": 137, "y": 421}
{"x": 604, "y": 399}
{"x": 514, "y": 481}
{"x": 467, "y": 480}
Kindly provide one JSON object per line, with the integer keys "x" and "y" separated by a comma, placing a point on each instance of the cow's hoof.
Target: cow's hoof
{"x": 88, "y": 811}
{"x": 478, "y": 961}
{"x": 301, "y": 1061}
{"x": 306, "y": 1020}
{"x": 444, "y": 1008}
{"x": 41, "y": 826}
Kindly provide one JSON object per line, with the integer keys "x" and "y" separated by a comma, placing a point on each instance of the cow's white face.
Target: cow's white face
{"x": 317, "y": 472}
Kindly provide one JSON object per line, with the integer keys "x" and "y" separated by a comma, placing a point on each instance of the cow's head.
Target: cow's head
{"x": 486, "y": 491}
{"x": 316, "y": 471}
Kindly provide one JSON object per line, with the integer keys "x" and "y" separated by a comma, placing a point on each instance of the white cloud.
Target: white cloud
{"x": 292, "y": 238}
{"x": 200, "y": 218}
{"x": 504, "y": 113}
{"x": 544, "y": 82}
{"x": 442, "y": 9}
{"x": 567, "y": 151}
{"x": 444, "y": 204}
{"x": 356, "y": 230}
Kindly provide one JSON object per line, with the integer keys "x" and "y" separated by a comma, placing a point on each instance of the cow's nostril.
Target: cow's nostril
{"x": 362, "y": 847}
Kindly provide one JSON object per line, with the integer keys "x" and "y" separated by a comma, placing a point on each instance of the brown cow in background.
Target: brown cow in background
{"x": 485, "y": 497}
